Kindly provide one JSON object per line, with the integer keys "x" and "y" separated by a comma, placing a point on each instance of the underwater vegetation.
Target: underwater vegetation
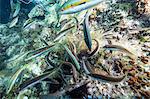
{"x": 75, "y": 49}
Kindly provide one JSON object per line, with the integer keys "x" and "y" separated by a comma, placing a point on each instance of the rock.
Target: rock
{"x": 36, "y": 11}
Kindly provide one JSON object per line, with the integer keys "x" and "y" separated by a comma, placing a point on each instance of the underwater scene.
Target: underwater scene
{"x": 74, "y": 49}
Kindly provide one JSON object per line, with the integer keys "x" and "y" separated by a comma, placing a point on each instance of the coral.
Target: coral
{"x": 47, "y": 54}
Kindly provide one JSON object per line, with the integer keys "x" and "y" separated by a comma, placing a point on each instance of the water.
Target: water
{"x": 4, "y": 11}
